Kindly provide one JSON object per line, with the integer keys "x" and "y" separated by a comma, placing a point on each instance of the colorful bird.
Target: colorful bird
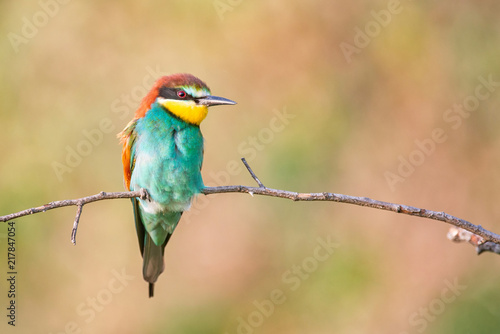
{"x": 163, "y": 153}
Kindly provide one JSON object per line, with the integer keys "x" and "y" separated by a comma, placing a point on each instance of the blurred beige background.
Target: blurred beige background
{"x": 332, "y": 96}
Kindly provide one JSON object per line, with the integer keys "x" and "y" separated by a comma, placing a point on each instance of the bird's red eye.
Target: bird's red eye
{"x": 182, "y": 94}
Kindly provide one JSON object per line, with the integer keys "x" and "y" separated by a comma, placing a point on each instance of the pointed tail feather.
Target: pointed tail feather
{"x": 152, "y": 254}
{"x": 153, "y": 264}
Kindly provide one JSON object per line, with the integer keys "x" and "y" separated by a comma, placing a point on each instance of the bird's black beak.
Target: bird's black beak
{"x": 213, "y": 101}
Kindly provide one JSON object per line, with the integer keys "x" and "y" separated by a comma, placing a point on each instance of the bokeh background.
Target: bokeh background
{"x": 359, "y": 82}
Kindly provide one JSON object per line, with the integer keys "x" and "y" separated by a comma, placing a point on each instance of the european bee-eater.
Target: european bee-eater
{"x": 163, "y": 153}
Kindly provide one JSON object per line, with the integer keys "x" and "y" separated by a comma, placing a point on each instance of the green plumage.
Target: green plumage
{"x": 166, "y": 158}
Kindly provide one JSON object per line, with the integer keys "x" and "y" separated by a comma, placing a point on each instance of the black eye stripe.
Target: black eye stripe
{"x": 168, "y": 93}
{"x": 171, "y": 93}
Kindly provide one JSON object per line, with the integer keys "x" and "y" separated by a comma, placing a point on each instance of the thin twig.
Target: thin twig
{"x": 488, "y": 246}
{"x": 477, "y": 230}
{"x": 252, "y": 173}
{"x": 75, "y": 224}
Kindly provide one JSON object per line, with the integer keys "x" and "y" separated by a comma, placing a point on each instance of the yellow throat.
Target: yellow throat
{"x": 187, "y": 110}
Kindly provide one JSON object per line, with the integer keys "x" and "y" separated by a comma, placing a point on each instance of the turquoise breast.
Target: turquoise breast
{"x": 168, "y": 154}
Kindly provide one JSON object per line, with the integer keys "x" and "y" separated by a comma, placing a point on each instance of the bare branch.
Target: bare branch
{"x": 361, "y": 201}
{"x": 79, "y": 201}
{"x": 484, "y": 240}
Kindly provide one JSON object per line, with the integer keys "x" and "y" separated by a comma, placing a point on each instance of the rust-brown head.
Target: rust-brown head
{"x": 184, "y": 95}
